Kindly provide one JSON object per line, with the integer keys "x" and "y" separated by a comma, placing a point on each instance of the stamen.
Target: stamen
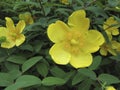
{"x": 74, "y": 42}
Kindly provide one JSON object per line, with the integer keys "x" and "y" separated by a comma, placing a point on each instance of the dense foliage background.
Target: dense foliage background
{"x": 30, "y": 67}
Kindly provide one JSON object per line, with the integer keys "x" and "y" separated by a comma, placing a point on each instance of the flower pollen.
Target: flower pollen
{"x": 73, "y": 42}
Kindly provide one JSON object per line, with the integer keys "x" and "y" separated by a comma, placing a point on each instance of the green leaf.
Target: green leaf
{"x": 87, "y": 72}
{"x": 42, "y": 68}
{"x": 15, "y": 74}
{"x": 108, "y": 79}
{"x": 96, "y": 63}
{"x": 11, "y": 66}
{"x": 26, "y": 47}
{"x": 113, "y": 3}
{"x": 24, "y": 81}
{"x": 38, "y": 45}
{"x": 69, "y": 75}
{"x": 29, "y": 63}
{"x": 78, "y": 78}
{"x": 97, "y": 11}
{"x": 28, "y": 80}
{"x": 16, "y": 59}
{"x": 57, "y": 72}
{"x": 11, "y": 87}
{"x": 85, "y": 85}
{"x": 46, "y": 88}
{"x": 117, "y": 57}
{"x": 50, "y": 81}
{"x": 5, "y": 79}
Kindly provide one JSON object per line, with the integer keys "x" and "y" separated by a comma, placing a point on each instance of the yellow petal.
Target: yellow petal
{"x": 82, "y": 60}
{"x": 30, "y": 20}
{"x": 10, "y": 24}
{"x": 115, "y": 44}
{"x": 112, "y": 51}
{"x": 3, "y": 31}
{"x": 57, "y": 31}
{"x": 8, "y": 44}
{"x": 59, "y": 55}
{"x": 20, "y": 26}
{"x": 20, "y": 40}
{"x": 103, "y": 52}
{"x": 94, "y": 40}
{"x": 64, "y": 2}
{"x": 21, "y": 16}
{"x": 109, "y": 35}
{"x": 115, "y": 31}
{"x": 111, "y": 26}
{"x": 110, "y": 88}
{"x": 78, "y": 19}
{"x": 26, "y": 17}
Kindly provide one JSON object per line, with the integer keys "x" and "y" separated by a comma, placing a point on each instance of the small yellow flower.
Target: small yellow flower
{"x": 64, "y": 2}
{"x": 14, "y": 36}
{"x": 113, "y": 47}
{"x": 110, "y": 88}
{"x": 27, "y": 18}
{"x": 111, "y": 26}
{"x": 74, "y": 43}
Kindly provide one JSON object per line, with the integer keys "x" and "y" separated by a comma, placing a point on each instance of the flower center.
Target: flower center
{"x": 13, "y": 35}
{"x": 74, "y": 42}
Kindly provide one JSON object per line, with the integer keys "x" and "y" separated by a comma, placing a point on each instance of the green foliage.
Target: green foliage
{"x": 24, "y": 81}
{"x": 50, "y": 81}
{"x": 30, "y": 67}
{"x": 29, "y": 63}
{"x": 96, "y": 63}
{"x": 42, "y": 69}
{"x": 88, "y": 73}
{"x": 108, "y": 79}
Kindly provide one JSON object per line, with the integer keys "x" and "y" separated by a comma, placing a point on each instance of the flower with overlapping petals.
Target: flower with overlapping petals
{"x": 113, "y": 47}
{"x": 74, "y": 43}
{"x": 110, "y": 88}
{"x": 111, "y": 26}
{"x": 27, "y": 17}
{"x": 13, "y": 35}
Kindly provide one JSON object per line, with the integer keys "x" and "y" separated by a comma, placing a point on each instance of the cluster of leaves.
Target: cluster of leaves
{"x": 29, "y": 66}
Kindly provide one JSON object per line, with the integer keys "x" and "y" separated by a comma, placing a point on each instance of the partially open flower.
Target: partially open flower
{"x": 13, "y": 35}
{"x": 74, "y": 43}
{"x": 113, "y": 47}
{"x": 27, "y": 18}
{"x": 111, "y": 26}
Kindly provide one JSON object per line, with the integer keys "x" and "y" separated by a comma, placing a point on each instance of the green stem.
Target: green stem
{"x": 89, "y": 4}
{"x": 42, "y": 7}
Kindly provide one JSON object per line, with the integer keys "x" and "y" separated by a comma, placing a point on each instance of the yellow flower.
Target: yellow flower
{"x": 111, "y": 26}
{"x": 113, "y": 47}
{"x": 14, "y": 36}
{"x": 74, "y": 43}
{"x": 64, "y": 2}
{"x": 27, "y": 18}
{"x": 110, "y": 88}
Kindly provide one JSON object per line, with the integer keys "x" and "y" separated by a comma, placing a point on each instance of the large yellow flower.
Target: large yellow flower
{"x": 74, "y": 43}
{"x": 14, "y": 36}
{"x": 110, "y": 88}
{"x": 111, "y": 26}
{"x": 27, "y": 17}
